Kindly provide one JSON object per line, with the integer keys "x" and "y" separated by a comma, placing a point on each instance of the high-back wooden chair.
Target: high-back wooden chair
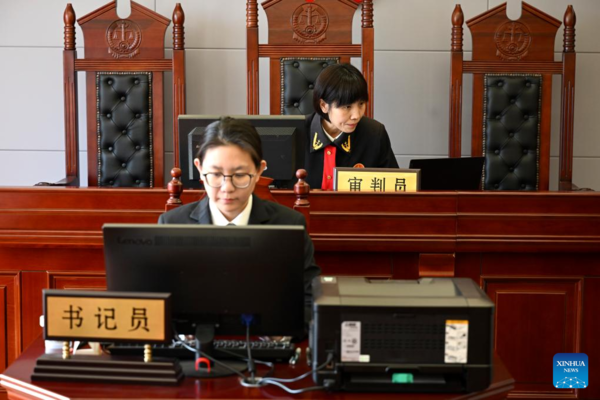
{"x": 304, "y": 37}
{"x": 124, "y": 64}
{"x": 512, "y": 67}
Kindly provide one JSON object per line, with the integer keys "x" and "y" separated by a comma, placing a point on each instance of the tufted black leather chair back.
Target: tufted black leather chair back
{"x": 124, "y": 116}
{"x": 511, "y": 131}
{"x": 298, "y": 76}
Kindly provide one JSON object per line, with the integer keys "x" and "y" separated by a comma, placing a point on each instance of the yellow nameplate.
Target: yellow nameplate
{"x": 376, "y": 180}
{"x": 107, "y": 316}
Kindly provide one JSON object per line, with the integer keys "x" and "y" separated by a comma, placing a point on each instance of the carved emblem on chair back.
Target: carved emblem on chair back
{"x": 309, "y": 23}
{"x": 123, "y": 37}
{"x": 512, "y": 41}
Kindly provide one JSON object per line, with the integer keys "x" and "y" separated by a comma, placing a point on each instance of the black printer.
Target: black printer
{"x": 427, "y": 335}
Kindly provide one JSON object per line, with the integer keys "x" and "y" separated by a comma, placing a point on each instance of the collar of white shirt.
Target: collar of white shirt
{"x": 329, "y": 136}
{"x": 219, "y": 219}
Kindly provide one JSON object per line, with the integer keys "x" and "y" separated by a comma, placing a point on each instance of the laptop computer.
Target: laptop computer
{"x": 449, "y": 173}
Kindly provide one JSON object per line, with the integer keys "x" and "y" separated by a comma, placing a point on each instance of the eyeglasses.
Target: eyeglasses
{"x": 217, "y": 179}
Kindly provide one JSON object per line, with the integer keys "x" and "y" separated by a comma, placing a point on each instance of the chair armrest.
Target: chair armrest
{"x": 571, "y": 187}
{"x": 68, "y": 181}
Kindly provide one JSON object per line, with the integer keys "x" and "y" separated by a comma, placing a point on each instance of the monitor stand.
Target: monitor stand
{"x": 205, "y": 334}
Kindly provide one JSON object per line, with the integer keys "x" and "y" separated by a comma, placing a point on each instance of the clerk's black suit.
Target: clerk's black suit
{"x": 263, "y": 213}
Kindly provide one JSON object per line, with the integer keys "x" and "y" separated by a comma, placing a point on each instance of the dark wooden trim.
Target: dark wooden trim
{"x": 545, "y": 134}
{"x": 134, "y": 6}
{"x": 368, "y": 66}
{"x": 456, "y": 84}
{"x": 540, "y": 67}
{"x": 178, "y": 30}
{"x": 540, "y": 14}
{"x": 158, "y": 136}
{"x": 252, "y": 55}
{"x": 70, "y": 98}
{"x": 324, "y": 50}
{"x": 71, "y": 120}
{"x": 178, "y": 76}
{"x": 367, "y": 53}
{"x": 91, "y": 122}
{"x": 69, "y": 18}
{"x": 179, "y": 93}
{"x": 477, "y": 117}
{"x": 487, "y": 14}
{"x": 275, "y": 86}
{"x": 120, "y": 65}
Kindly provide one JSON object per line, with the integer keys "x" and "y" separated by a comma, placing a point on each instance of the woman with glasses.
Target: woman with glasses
{"x": 230, "y": 163}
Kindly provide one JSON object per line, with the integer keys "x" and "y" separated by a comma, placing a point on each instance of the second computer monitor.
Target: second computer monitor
{"x": 282, "y": 141}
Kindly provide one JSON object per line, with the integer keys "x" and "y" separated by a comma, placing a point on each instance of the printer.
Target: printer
{"x": 428, "y": 335}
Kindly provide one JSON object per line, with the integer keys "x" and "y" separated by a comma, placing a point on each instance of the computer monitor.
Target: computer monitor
{"x": 283, "y": 143}
{"x": 216, "y": 275}
{"x": 449, "y": 173}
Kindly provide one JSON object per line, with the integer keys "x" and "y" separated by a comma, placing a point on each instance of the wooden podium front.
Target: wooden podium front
{"x": 17, "y": 383}
{"x": 536, "y": 255}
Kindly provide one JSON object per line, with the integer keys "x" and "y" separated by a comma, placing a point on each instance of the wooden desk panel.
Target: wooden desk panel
{"x": 522, "y": 248}
{"x": 16, "y": 380}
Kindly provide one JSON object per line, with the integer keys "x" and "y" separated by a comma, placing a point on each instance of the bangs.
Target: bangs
{"x": 347, "y": 90}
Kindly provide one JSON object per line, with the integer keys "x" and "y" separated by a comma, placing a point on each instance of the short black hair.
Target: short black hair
{"x": 230, "y": 131}
{"x": 339, "y": 85}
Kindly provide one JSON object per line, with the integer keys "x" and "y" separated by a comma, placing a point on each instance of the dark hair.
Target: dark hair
{"x": 339, "y": 85}
{"x": 230, "y": 131}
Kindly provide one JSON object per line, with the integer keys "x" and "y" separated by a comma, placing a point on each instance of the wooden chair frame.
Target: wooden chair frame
{"x": 284, "y": 46}
{"x": 98, "y": 59}
{"x": 542, "y": 62}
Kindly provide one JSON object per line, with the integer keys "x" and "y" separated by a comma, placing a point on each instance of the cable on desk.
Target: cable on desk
{"x": 203, "y": 354}
{"x": 278, "y": 381}
{"x": 260, "y": 382}
{"x": 269, "y": 364}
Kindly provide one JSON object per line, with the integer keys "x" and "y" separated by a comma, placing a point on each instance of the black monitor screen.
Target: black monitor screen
{"x": 282, "y": 141}
{"x": 462, "y": 173}
{"x": 215, "y": 274}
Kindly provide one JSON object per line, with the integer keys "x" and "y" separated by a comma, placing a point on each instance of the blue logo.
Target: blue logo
{"x": 570, "y": 371}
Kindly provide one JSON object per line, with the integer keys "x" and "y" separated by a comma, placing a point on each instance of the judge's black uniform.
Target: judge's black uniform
{"x": 368, "y": 145}
{"x": 263, "y": 213}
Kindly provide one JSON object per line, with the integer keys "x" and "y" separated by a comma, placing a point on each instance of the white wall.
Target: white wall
{"x": 412, "y": 64}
